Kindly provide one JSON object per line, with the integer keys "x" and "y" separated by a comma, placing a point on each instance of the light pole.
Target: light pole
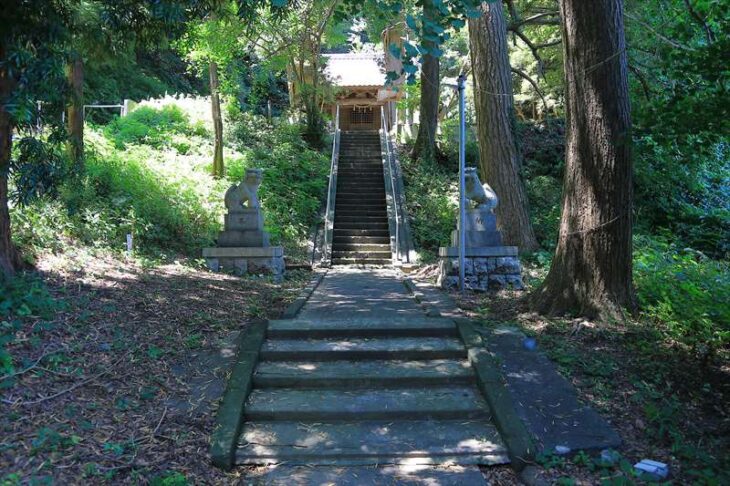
{"x": 462, "y": 163}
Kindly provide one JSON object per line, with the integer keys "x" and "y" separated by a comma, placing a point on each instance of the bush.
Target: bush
{"x": 125, "y": 195}
{"x": 148, "y": 125}
{"x": 544, "y": 194}
{"x": 432, "y": 202}
{"x": 295, "y": 176}
{"x": 685, "y": 293}
{"x": 448, "y": 143}
{"x": 685, "y": 191}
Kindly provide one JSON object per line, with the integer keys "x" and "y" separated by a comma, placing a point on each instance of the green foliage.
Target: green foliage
{"x": 151, "y": 179}
{"x": 432, "y": 205}
{"x": 23, "y": 296}
{"x": 664, "y": 414}
{"x": 684, "y": 191}
{"x": 38, "y": 168}
{"x": 51, "y": 440}
{"x": 128, "y": 191}
{"x": 136, "y": 75}
{"x": 448, "y": 143}
{"x": 295, "y": 176}
{"x": 544, "y": 194}
{"x": 121, "y": 195}
{"x": 148, "y": 125}
{"x": 170, "y": 479}
{"x": 686, "y": 293}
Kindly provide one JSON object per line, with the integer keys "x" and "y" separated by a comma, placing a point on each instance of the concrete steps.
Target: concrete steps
{"x": 363, "y": 374}
{"x": 360, "y": 206}
{"x": 366, "y": 391}
{"x": 361, "y": 327}
{"x": 325, "y": 405}
{"x": 413, "y": 442}
{"x": 362, "y": 348}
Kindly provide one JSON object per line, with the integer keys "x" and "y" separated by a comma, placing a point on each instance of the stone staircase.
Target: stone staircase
{"x": 361, "y": 234}
{"x": 366, "y": 391}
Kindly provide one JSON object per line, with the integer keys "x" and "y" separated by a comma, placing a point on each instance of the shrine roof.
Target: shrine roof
{"x": 355, "y": 70}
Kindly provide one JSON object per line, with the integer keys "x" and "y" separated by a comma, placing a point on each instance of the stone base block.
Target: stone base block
{"x": 263, "y": 260}
{"x": 480, "y": 229}
{"x": 233, "y": 239}
{"x": 245, "y": 219}
{"x": 486, "y": 268}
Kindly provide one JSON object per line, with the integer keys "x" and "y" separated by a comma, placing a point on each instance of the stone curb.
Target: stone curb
{"x": 294, "y": 308}
{"x": 490, "y": 381}
{"x": 229, "y": 419}
{"x": 431, "y": 311}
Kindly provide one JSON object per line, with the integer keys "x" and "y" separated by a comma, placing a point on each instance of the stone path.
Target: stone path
{"x": 362, "y": 377}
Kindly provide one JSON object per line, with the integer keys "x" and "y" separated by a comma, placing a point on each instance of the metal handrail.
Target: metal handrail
{"x": 329, "y": 221}
{"x": 391, "y": 170}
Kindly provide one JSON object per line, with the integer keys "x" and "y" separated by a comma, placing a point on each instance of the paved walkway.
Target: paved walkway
{"x": 349, "y": 292}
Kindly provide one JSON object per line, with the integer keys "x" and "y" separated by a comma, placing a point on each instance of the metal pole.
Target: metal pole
{"x": 462, "y": 160}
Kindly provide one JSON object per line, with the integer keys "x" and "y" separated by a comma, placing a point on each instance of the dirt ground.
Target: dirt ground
{"x": 120, "y": 386}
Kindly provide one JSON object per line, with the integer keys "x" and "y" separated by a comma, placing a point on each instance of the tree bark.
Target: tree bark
{"x": 75, "y": 112}
{"x": 9, "y": 256}
{"x": 425, "y": 145}
{"x": 500, "y": 159}
{"x": 218, "y": 166}
{"x": 591, "y": 271}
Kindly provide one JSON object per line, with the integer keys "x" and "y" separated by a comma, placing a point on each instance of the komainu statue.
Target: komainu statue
{"x": 480, "y": 194}
{"x": 245, "y": 192}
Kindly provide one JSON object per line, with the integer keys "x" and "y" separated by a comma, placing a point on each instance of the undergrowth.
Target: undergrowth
{"x": 148, "y": 175}
{"x": 432, "y": 202}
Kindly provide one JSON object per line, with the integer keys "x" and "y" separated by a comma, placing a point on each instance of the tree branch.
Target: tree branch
{"x": 533, "y": 48}
{"x": 642, "y": 80}
{"x": 666, "y": 39}
{"x": 549, "y": 43}
{"x": 538, "y": 19}
{"x": 695, "y": 15}
{"x": 527, "y": 78}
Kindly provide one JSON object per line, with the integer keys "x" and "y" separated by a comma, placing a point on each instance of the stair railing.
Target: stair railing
{"x": 391, "y": 172}
{"x": 329, "y": 219}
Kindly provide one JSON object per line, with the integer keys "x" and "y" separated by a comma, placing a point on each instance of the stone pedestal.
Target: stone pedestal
{"x": 480, "y": 229}
{"x": 243, "y": 228}
{"x": 243, "y": 245}
{"x": 486, "y": 268}
{"x": 240, "y": 260}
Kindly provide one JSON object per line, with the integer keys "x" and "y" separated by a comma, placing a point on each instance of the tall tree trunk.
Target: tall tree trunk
{"x": 500, "y": 159}
{"x": 9, "y": 257}
{"x": 425, "y": 146}
{"x": 218, "y": 167}
{"x": 75, "y": 112}
{"x": 591, "y": 271}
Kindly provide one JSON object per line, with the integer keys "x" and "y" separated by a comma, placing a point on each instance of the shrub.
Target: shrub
{"x": 148, "y": 125}
{"x": 544, "y": 194}
{"x": 685, "y": 293}
{"x": 432, "y": 202}
{"x": 448, "y": 143}
{"x": 295, "y": 176}
{"x": 120, "y": 195}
